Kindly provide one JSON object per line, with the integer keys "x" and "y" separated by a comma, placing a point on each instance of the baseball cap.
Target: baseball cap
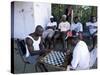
{"x": 51, "y": 17}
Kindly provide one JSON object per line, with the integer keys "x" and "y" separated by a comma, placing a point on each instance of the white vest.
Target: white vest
{"x": 35, "y": 45}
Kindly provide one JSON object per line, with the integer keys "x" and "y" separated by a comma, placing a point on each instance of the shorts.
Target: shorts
{"x": 48, "y": 33}
{"x": 32, "y": 59}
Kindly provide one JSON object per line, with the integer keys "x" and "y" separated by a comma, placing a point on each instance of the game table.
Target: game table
{"x": 55, "y": 60}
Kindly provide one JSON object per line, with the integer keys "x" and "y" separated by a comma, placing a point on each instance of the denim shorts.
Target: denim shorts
{"x": 32, "y": 59}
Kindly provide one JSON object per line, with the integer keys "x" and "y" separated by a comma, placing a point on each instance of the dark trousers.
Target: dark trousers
{"x": 63, "y": 36}
{"x": 94, "y": 38}
{"x": 40, "y": 67}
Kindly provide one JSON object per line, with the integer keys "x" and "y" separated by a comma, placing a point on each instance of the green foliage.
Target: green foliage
{"x": 84, "y": 12}
{"x": 57, "y": 11}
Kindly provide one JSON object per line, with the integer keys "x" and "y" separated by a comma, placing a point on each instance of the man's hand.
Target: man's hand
{"x": 68, "y": 52}
{"x": 69, "y": 67}
{"x": 47, "y": 50}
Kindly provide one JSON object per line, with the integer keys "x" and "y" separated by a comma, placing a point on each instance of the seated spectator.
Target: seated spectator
{"x": 92, "y": 26}
{"x": 49, "y": 32}
{"x": 64, "y": 27}
{"x": 77, "y": 26}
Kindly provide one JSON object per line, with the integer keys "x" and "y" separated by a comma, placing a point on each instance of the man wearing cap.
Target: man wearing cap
{"x": 49, "y": 32}
{"x": 81, "y": 55}
{"x": 64, "y": 27}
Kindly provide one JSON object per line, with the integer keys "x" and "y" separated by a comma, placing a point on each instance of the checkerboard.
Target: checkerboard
{"x": 55, "y": 58}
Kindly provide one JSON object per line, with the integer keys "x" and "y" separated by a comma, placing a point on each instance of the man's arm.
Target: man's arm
{"x": 29, "y": 44}
{"x": 80, "y": 31}
{"x": 30, "y": 47}
{"x": 50, "y": 27}
{"x": 59, "y": 27}
{"x": 42, "y": 48}
{"x": 95, "y": 33}
{"x": 42, "y": 44}
{"x": 69, "y": 26}
{"x": 76, "y": 58}
{"x": 81, "y": 28}
{"x": 54, "y": 27}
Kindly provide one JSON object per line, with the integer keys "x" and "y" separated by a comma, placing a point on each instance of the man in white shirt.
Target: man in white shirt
{"x": 49, "y": 32}
{"x": 81, "y": 55}
{"x": 93, "y": 58}
{"x": 92, "y": 26}
{"x": 64, "y": 27}
{"x": 77, "y": 26}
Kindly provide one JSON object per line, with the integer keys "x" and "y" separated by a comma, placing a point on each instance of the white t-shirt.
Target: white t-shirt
{"x": 93, "y": 56}
{"x": 35, "y": 45}
{"x": 52, "y": 24}
{"x": 92, "y": 29}
{"x": 81, "y": 56}
{"x": 77, "y": 27}
{"x": 64, "y": 26}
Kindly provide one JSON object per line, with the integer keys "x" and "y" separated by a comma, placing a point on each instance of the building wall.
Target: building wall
{"x": 42, "y": 13}
{"x": 28, "y": 15}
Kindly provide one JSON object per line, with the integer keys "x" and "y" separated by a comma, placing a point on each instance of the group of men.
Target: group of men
{"x": 36, "y": 42}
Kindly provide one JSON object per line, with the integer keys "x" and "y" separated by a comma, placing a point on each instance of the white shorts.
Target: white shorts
{"x": 48, "y": 33}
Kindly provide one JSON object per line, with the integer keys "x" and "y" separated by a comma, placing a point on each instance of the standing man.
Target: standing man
{"x": 77, "y": 26}
{"x": 69, "y": 13}
{"x": 81, "y": 55}
{"x": 64, "y": 27}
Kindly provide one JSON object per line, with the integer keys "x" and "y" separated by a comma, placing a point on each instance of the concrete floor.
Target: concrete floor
{"x": 19, "y": 64}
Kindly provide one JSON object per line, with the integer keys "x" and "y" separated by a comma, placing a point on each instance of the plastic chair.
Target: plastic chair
{"x": 22, "y": 52}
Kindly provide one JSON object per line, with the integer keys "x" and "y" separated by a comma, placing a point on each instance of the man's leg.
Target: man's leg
{"x": 56, "y": 35}
{"x": 94, "y": 41}
{"x": 40, "y": 67}
{"x": 44, "y": 36}
{"x": 63, "y": 39}
{"x": 50, "y": 36}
